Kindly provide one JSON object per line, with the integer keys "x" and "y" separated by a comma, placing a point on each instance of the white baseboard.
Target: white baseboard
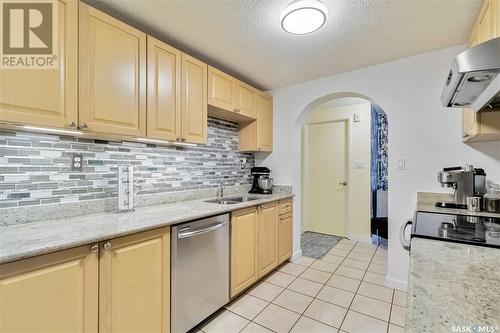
{"x": 363, "y": 239}
{"x": 396, "y": 284}
{"x": 296, "y": 255}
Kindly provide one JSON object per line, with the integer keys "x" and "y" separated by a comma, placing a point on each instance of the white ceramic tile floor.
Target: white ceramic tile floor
{"x": 326, "y": 295}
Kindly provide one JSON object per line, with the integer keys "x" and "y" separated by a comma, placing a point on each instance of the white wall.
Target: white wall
{"x": 420, "y": 130}
{"x": 359, "y": 146}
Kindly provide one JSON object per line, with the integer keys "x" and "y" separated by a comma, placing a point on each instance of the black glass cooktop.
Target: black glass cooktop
{"x": 476, "y": 230}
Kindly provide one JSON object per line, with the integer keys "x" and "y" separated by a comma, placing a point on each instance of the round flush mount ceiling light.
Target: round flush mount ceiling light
{"x": 303, "y": 17}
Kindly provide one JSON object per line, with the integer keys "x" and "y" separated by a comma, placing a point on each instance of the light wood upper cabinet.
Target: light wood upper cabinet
{"x": 258, "y": 135}
{"x": 246, "y": 99}
{"x": 221, "y": 90}
{"x": 134, "y": 289}
{"x": 268, "y": 238}
{"x": 244, "y": 249}
{"x": 56, "y": 292}
{"x": 46, "y": 97}
{"x": 230, "y": 98}
{"x": 112, "y": 75}
{"x": 264, "y": 123}
{"x": 164, "y": 91}
{"x": 483, "y": 126}
{"x": 194, "y": 100}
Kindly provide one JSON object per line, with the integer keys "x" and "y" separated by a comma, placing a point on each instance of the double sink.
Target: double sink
{"x": 231, "y": 200}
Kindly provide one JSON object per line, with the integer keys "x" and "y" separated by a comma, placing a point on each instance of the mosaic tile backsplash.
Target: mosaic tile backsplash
{"x": 35, "y": 168}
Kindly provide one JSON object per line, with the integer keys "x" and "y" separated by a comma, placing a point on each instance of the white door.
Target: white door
{"x": 325, "y": 177}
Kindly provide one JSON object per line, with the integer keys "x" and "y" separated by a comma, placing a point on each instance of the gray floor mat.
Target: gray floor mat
{"x": 316, "y": 245}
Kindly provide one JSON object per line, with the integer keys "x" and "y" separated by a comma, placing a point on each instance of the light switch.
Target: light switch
{"x": 359, "y": 165}
{"x": 401, "y": 164}
{"x": 357, "y": 117}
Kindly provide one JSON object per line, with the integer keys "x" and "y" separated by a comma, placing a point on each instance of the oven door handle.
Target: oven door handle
{"x": 404, "y": 241}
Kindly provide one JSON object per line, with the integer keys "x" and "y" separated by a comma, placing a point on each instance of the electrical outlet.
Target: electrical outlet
{"x": 76, "y": 162}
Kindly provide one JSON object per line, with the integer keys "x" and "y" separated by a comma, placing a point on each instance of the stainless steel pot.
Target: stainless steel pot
{"x": 266, "y": 183}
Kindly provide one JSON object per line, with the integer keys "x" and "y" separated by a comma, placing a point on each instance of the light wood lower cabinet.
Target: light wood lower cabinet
{"x": 134, "y": 283}
{"x": 122, "y": 285}
{"x": 268, "y": 238}
{"x": 112, "y": 93}
{"x": 57, "y": 292}
{"x": 259, "y": 243}
{"x": 46, "y": 97}
{"x": 285, "y": 230}
{"x": 244, "y": 249}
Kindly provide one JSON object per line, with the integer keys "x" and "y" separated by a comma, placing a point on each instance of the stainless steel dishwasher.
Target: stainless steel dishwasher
{"x": 200, "y": 270}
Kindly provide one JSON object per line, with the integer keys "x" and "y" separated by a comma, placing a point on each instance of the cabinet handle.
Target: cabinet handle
{"x": 94, "y": 248}
{"x": 178, "y": 139}
{"x": 73, "y": 124}
{"x": 465, "y": 136}
{"x": 184, "y": 139}
{"x": 107, "y": 246}
{"x": 84, "y": 126}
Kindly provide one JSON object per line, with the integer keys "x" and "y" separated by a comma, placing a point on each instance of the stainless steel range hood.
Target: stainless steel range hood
{"x": 474, "y": 80}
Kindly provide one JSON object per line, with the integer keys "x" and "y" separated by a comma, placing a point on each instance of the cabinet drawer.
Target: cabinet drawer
{"x": 285, "y": 206}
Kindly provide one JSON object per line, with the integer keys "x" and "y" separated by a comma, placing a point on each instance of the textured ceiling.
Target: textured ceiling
{"x": 245, "y": 39}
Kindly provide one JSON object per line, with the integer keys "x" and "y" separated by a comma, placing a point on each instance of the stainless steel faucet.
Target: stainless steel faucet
{"x": 220, "y": 191}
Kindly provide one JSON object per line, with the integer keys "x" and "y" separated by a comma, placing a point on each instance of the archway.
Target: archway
{"x": 371, "y": 197}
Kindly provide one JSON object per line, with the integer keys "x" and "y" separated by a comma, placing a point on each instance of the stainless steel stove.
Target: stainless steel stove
{"x": 475, "y": 230}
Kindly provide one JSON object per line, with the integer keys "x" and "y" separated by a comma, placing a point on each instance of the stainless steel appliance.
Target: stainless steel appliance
{"x": 466, "y": 182}
{"x": 473, "y": 80}
{"x": 474, "y": 204}
{"x": 491, "y": 200}
{"x": 259, "y": 184}
{"x": 200, "y": 271}
{"x": 468, "y": 229}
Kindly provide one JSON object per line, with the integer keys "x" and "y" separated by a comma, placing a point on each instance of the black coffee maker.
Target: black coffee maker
{"x": 258, "y": 173}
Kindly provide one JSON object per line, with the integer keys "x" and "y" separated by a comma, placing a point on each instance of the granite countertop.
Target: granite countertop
{"x": 452, "y": 284}
{"x": 35, "y": 238}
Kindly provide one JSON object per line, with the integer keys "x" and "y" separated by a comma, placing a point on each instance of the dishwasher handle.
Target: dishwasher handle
{"x": 187, "y": 232}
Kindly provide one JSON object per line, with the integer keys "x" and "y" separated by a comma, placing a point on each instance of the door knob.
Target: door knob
{"x": 184, "y": 139}
{"x": 94, "y": 248}
{"x": 73, "y": 124}
{"x": 84, "y": 126}
{"x": 107, "y": 246}
{"x": 343, "y": 183}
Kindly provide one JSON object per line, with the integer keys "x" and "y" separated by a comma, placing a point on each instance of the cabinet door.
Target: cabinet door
{"x": 134, "y": 283}
{"x": 164, "y": 91}
{"x": 46, "y": 97}
{"x": 244, "y": 249}
{"x": 194, "y": 100}
{"x": 246, "y": 100}
{"x": 285, "y": 237}
{"x": 470, "y": 123}
{"x": 485, "y": 23}
{"x": 268, "y": 238}
{"x": 56, "y": 292}
{"x": 112, "y": 75}
{"x": 221, "y": 90}
{"x": 264, "y": 123}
